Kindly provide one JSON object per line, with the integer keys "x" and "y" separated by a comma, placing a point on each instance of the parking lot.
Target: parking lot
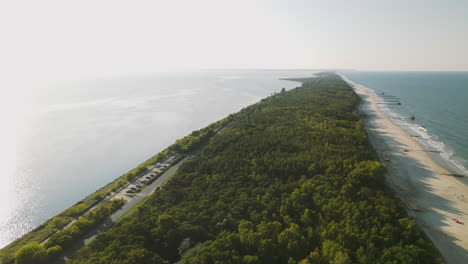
{"x": 137, "y": 185}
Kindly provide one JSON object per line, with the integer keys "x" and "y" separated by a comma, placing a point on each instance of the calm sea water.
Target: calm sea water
{"x": 63, "y": 142}
{"x": 438, "y": 100}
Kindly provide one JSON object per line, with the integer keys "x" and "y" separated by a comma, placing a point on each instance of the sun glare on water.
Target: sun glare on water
{"x": 16, "y": 180}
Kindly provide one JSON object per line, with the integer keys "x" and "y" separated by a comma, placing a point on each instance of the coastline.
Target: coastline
{"x": 343, "y": 181}
{"x": 116, "y": 189}
{"x": 433, "y": 198}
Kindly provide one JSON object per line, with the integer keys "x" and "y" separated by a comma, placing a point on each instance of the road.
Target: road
{"x": 118, "y": 214}
{"x": 131, "y": 202}
{"x": 147, "y": 191}
{"x": 112, "y": 195}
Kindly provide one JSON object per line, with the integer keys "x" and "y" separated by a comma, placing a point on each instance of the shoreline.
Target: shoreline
{"x": 186, "y": 144}
{"x": 433, "y": 147}
{"x": 432, "y": 197}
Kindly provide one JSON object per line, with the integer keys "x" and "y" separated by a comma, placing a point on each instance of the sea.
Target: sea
{"x": 439, "y": 103}
{"x": 63, "y": 140}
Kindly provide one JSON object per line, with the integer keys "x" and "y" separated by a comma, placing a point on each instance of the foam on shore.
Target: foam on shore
{"x": 432, "y": 196}
{"x": 428, "y": 141}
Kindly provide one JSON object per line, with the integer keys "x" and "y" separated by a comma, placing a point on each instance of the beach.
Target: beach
{"x": 435, "y": 199}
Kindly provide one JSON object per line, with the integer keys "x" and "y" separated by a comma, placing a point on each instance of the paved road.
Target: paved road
{"x": 131, "y": 203}
{"x": 118, "y": 214}
{"x": 108, "y": 197}
{"x": 147, "y": 191}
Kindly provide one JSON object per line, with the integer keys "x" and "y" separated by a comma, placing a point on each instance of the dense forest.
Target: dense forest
{"x": 291, "y": 180}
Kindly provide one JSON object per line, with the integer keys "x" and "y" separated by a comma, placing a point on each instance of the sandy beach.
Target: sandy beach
{"x": 432, "y": 197}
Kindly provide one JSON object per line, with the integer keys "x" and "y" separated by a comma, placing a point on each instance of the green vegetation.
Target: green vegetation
{"x": 82, "y": 226}
{"x": 36, "y": 253}
{"x": 51, "y": 226}
{"x": 200, "y": 137}
{"x": 292, "y": 180}
{"x": 31, "y": 254}
{"x": 39, "y": 234}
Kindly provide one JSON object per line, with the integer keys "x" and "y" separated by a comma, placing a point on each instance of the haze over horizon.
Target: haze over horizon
{"x": 55, "y": 39}
{"x": 183, "y": 131}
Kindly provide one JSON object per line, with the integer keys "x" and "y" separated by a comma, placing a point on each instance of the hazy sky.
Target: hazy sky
{"x": 50, "y": 38}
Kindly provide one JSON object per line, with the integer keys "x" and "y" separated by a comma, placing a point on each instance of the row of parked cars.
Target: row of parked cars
{"x": 134, "y": 189}
{"x": 138, "y": 186}
{"x": 160, "y": 167}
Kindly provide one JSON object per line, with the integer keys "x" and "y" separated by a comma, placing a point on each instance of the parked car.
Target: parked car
{"x": 139, "y": 186}
{"x": 130, "y": 191}
{"x": 148, "y": 177}
{"x": 144, "y": 181}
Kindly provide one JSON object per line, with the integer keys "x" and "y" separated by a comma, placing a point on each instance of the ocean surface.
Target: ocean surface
{"x": 61, "y": 142}
{"x": 439, "y": 103}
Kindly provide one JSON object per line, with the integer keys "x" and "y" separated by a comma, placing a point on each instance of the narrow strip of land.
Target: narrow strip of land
{"x": 147, "y": 191}
{"x": 133, "y": 199}
{"x": 438, "y": 203}
{"x": 122, "y": 211}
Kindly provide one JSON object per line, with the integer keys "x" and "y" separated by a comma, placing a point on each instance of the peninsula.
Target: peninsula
{"x": 290, "y": 179}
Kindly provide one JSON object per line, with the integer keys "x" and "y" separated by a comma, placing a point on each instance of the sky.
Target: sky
{"x": 53, "y": 39}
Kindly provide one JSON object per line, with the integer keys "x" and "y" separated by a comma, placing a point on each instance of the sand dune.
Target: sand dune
{"x": 432, "y": 197}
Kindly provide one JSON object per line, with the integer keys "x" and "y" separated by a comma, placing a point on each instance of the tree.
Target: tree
{"x": 54, "y": 252}
{"x": 32, "y": 253}
{"x": 291, "y": 179}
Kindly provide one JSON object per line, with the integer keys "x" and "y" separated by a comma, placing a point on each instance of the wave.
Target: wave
{"x": 437, "y": 149}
